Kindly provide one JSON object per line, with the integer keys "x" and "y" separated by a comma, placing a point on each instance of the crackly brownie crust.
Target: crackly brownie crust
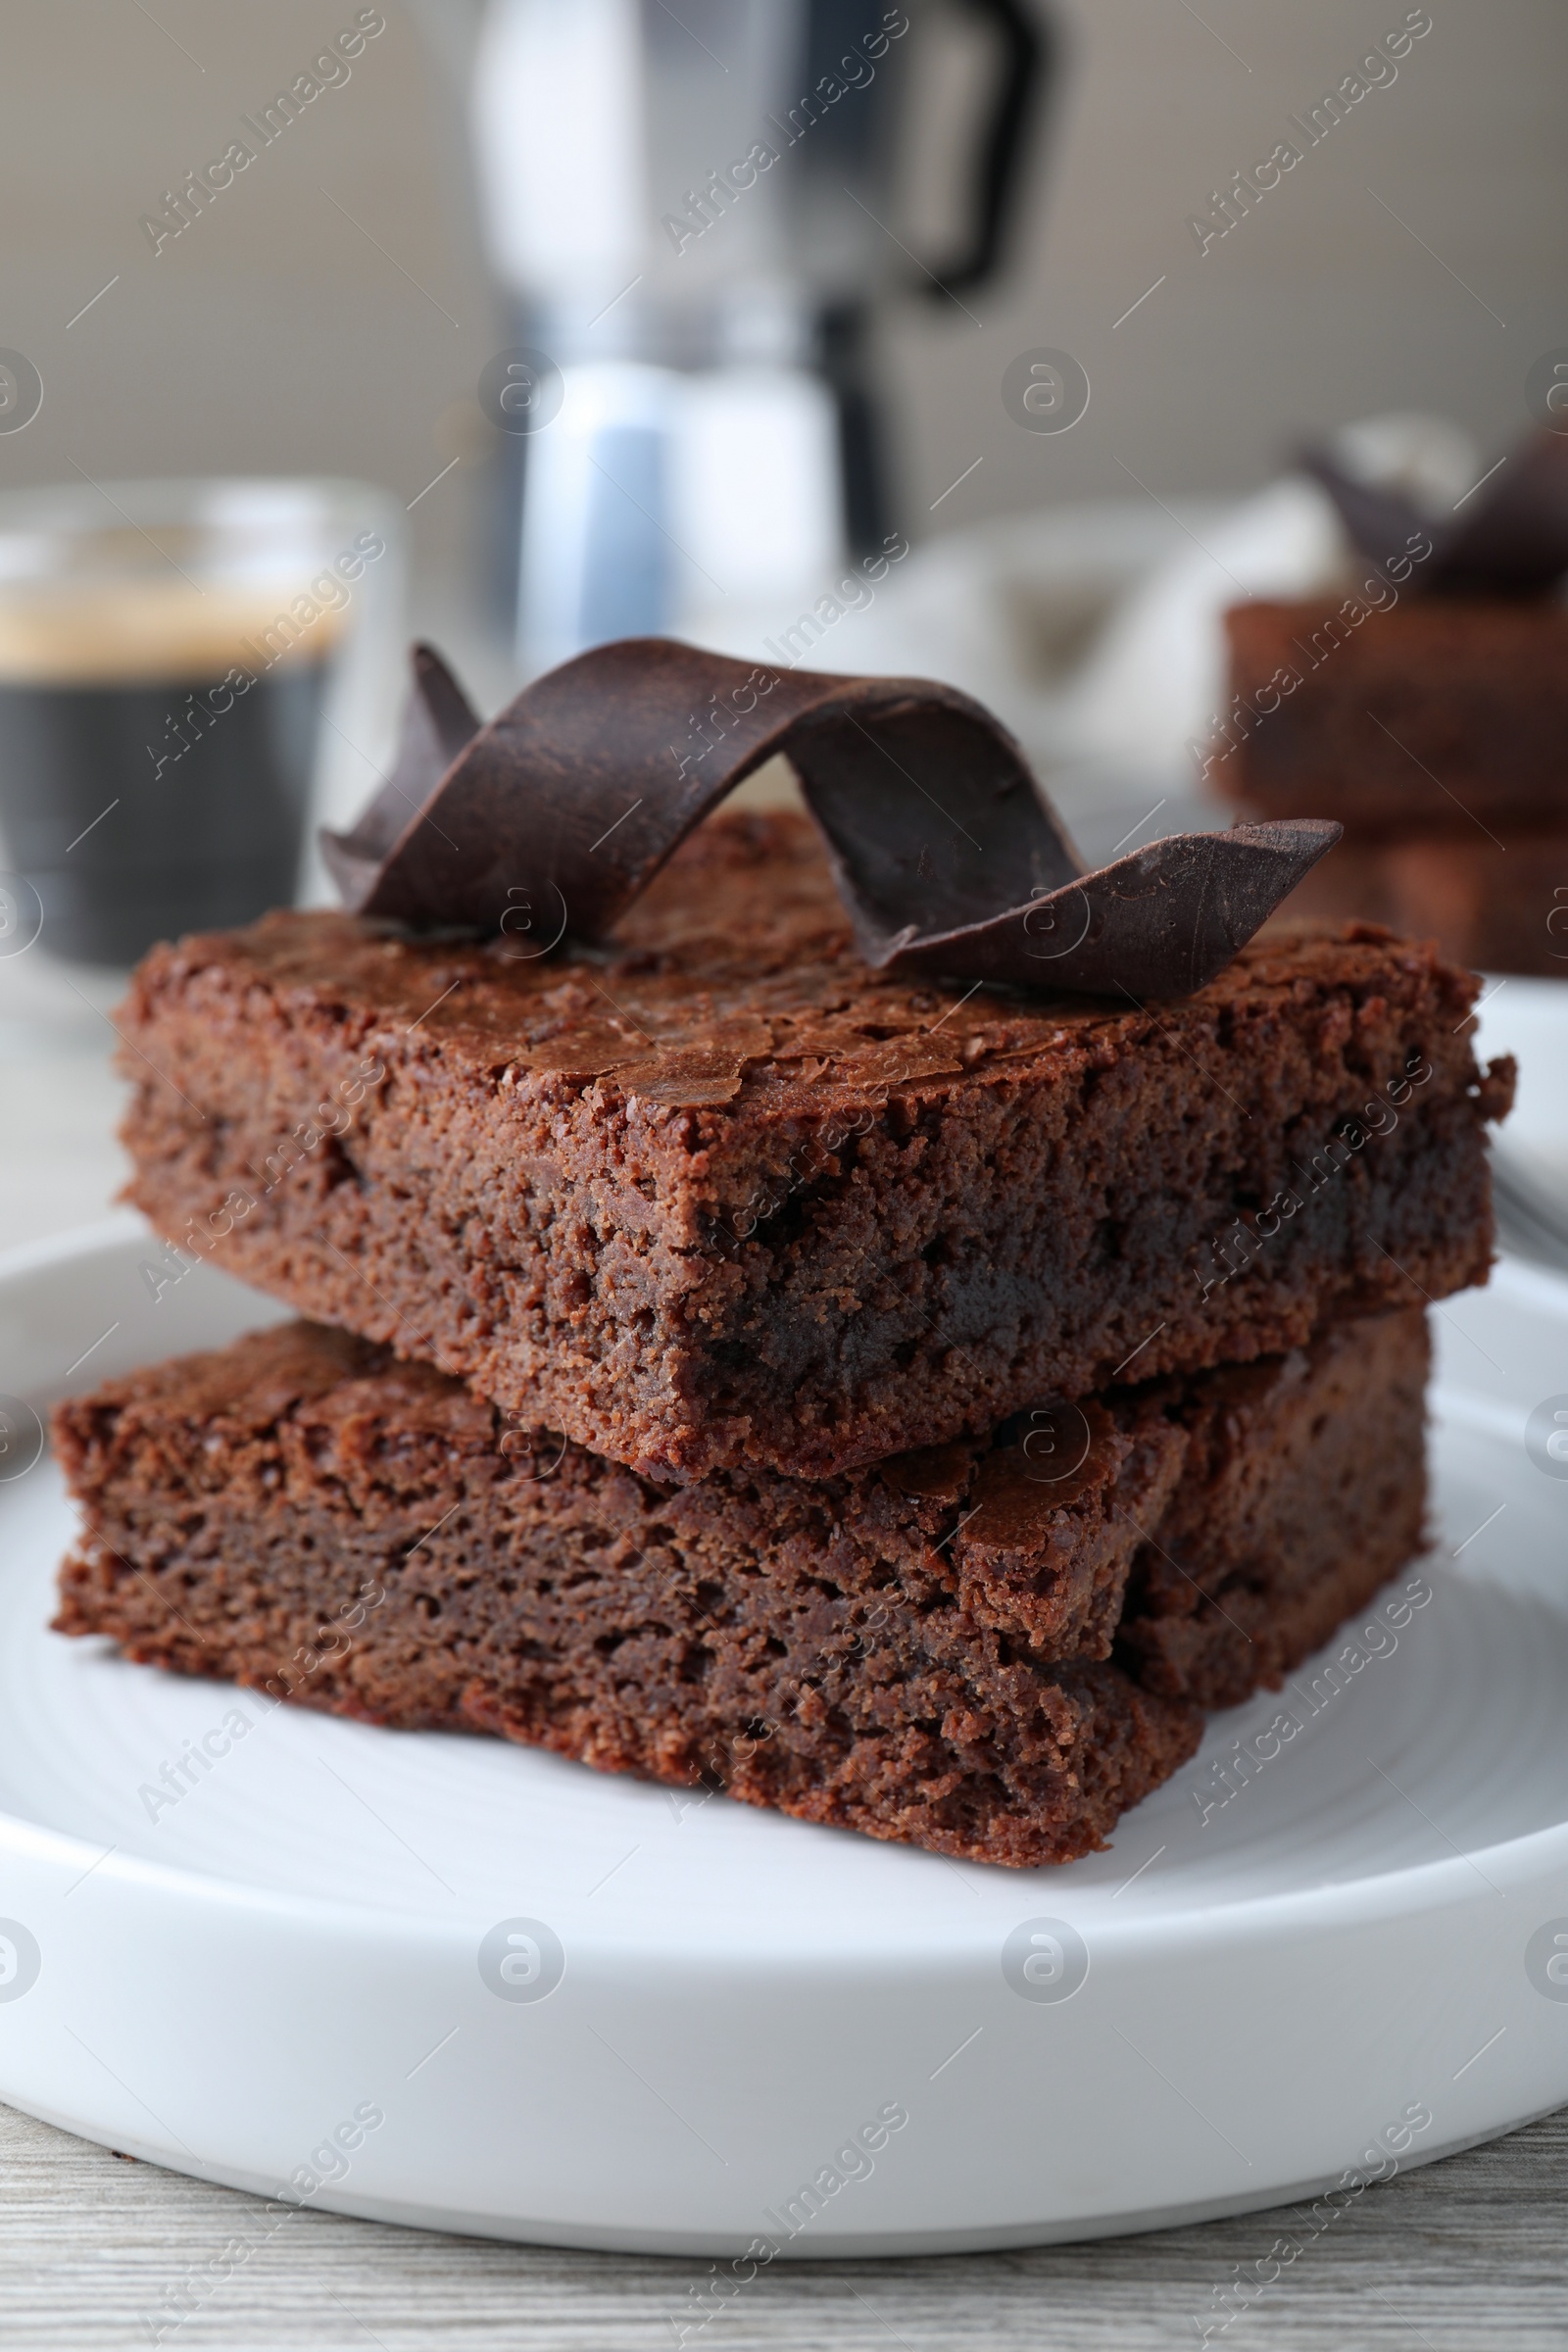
{"x": 1436, "y": 716}
{"x": 813, "y": 1219}
{"x": 880, "y": 1650}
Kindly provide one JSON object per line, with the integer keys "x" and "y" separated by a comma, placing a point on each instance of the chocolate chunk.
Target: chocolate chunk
{"x": 944, "y": 848}
{"x": 938, "y": 1473}
{"x": 1019, "y": 1490}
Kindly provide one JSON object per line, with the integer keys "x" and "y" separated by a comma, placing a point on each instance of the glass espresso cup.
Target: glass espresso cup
{"x": 168, "y": 653}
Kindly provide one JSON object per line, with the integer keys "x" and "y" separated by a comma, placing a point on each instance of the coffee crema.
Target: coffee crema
{"x": 158, "y": 631}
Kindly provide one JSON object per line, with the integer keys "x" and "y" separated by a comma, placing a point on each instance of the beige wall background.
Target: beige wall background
{"x": 1321, "y": 306}
{"x": 331, "y": 313}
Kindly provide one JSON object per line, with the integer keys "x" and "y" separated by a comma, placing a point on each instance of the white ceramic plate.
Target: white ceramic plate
{"x": 239, "y": 1984}
{"x": 1529, "y": 1018}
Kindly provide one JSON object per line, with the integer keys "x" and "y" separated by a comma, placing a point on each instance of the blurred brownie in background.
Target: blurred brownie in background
{"x": 1427, "y": 710}
{"x": 1436, "y": 717}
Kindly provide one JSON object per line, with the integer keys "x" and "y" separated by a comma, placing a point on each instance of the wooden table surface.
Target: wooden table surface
{"x": 1460, "y": 2256}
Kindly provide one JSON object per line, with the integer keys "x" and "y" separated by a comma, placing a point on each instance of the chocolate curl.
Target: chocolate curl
{"x": 1509, "y": 539}
{"x": 946, "y": 853}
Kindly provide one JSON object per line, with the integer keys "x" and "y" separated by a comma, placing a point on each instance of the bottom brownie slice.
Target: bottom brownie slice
{"x": 917, "y": 1651}
{"x": 1302, "y": 1491}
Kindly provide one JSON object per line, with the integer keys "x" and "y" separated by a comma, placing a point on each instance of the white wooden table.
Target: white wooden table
{"x": 1462, "y": 2256}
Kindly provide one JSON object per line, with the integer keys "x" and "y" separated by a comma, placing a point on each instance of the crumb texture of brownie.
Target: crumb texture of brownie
{"x": 1437, "y": 715}
{"x": 1303, "y": 1492}
{"x": 883, "y": 1651}
{"x": 721, "y": 1196}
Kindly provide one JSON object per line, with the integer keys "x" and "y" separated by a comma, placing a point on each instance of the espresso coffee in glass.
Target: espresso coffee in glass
{"x": 165, "y": 654}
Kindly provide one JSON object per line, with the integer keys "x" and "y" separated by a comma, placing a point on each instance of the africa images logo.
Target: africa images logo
{"x": 1045, "y": 1960}
{"x": 523, "y": 1960}
{"x": 20, "y": 1960}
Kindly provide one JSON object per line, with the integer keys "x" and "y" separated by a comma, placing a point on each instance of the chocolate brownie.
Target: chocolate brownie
{"x": 1501, "y": 909}
{"x": 721, "y": 1197}
{"x": 881, "y": 1650}
{"x": 1440, "y": 716}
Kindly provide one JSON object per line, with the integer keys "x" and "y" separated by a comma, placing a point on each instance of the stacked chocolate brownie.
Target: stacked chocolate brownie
{"x": 1435, "y": 732}
{"x": 1425, "y": 707}
{"x": 904, "y": 1408}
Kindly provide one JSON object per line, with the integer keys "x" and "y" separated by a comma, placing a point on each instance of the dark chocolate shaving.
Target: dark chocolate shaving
{"x": 1508, "y": 538}
{"x": 951, "y": 861}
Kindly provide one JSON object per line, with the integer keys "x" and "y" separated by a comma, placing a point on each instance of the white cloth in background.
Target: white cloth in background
{"x": 1095, "y": 629}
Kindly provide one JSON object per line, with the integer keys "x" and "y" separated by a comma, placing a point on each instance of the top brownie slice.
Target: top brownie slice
{"x": 718, "y": 1194}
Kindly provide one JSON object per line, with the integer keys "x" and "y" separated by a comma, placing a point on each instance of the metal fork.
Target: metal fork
{"x": 1531, "y": 1219}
